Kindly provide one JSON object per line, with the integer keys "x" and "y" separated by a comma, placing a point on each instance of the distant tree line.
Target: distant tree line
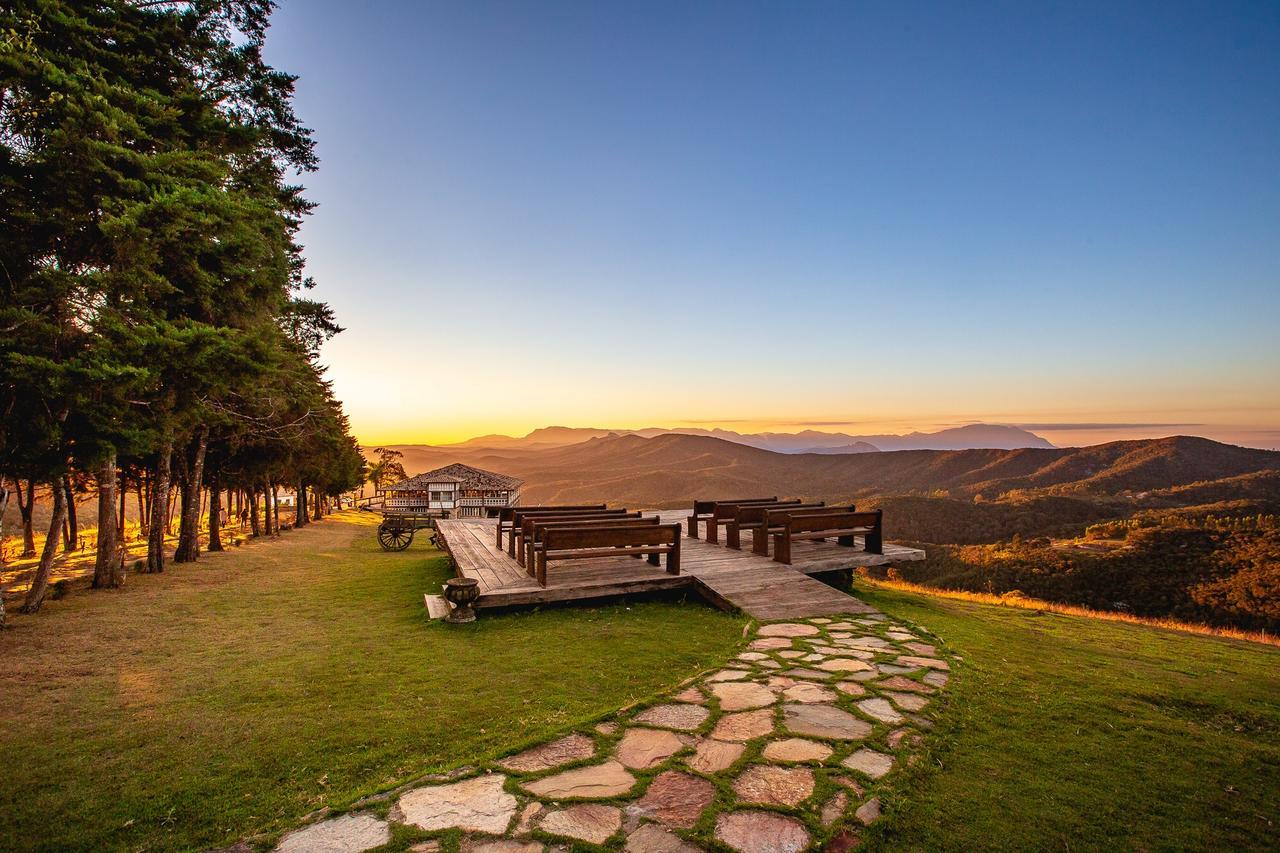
{"x": 155, "y": 333}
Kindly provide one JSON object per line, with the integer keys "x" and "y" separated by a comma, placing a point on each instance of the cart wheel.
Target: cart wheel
{"x": 394, "y": 538}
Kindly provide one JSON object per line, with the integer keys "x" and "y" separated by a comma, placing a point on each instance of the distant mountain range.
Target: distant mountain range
{"x": 971, "y": 436}
{"x": 672, "y": 469}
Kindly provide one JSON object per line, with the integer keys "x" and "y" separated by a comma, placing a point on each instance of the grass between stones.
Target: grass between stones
{"x": 1061, "y": 732}
{"x": 717, "y": 795}
{"x": 228, "y": 698}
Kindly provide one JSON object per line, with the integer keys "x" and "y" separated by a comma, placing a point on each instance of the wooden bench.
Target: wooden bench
{"x": 751, "y": 516}
{"x": 584, "y": 543}
{"x": 793, "y": 527}
{"x": 770, "y": 523}
{"x": 535, "y": 531}
{"x": 529, "y": 522}
{"x": 507, "y": 513}
{"x": 517, "y": 522}
{"x": 724, "y": 512}
{"x": 702, "y": 510}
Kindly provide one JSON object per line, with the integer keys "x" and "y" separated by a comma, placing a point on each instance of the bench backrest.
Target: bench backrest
{"x": 507, "y": 513}
{"x": 704, "y": 507}
{"x": 729, "y": 510}
{"x": 754, "y": 514}
{"x": 531, "y": 526}
{"x": 816, "y": 522}
{"x": 539, "y": 529}
{"x": 518, "y": 518}
{"x": 569, "y": 538}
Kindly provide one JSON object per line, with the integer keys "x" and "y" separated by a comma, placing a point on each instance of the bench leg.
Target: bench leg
{"x": 511, "y": 545}
{"x": 499, "y": 535}
{"x": 733, "y": 538}
{"x": 873, "y": 543}
{"x": 654, "y": 559}
{"x": 673, "y": 558}
{"x": 846, "y": 541}
{"x": 760, "y": 541}
{"x": 541, "y": 572}
{"x": 693, "y": 527}
{"x": 782, "y": 548}
{"x": 713, "y": 531}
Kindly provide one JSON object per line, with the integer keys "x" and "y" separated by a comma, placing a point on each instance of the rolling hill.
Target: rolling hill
{"x": 672, "y": 469}
{"x": 967, "y": 437}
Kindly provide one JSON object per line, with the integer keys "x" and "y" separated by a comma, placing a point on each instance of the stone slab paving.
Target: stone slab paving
{"x": 760, "y": 756}
{"x": 337, "y": 835}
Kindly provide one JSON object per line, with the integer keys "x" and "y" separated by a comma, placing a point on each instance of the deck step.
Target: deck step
{"x": 437, "y": 607}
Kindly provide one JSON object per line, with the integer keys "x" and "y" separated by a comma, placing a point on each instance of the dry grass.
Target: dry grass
{"x": 1022, "y": 602}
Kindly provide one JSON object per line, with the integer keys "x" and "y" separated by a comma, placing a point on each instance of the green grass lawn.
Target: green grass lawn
{"x": 1071, "y": 734}
{"x": 232, "y": 697}
{"x": 229, "y": 698}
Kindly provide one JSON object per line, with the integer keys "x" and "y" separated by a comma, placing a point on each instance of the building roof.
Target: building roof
{"x": 463, "y": 475}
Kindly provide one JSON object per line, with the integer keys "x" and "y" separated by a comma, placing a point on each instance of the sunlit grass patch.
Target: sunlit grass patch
{"x": 230, "y": 697}
{"x": 1018, "y": 600}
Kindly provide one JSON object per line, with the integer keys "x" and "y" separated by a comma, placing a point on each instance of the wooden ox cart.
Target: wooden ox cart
{"x": 395, "y": 533}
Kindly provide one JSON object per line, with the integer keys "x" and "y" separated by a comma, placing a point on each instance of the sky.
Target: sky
{"x": 856, "y": 217}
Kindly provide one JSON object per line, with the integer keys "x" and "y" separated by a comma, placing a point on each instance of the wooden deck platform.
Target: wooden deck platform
{"x": 725, "y": 577}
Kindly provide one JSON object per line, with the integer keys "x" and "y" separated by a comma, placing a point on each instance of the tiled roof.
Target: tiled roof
{"x": 464, "y": 475}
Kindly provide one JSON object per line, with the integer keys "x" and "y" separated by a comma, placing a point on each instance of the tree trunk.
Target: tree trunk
{"x": 24, "y": 510}
{"x": 106, "y": 568}
{"x": 253, "y": 513}
{"x": 159, "y": 508}
{"x": 188, "y": 550}
{"x": 73, "y": 522}
{"x": 300, "y": 509}
{"x": 267, "y": 528}
{"x": 215, "y": 516}
{"x": 123, "y": 488}
{"x": 275, "y": 504}
{"x": 4, "y": 507}
{"x": 144, "y": 509}
{"x": 40, "y": 583}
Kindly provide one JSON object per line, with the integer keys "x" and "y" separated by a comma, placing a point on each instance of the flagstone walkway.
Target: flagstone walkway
{"x": 782, "y": 750}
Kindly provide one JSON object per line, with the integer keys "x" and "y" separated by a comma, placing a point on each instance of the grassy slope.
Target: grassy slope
{"x": 234, "y": 696}
{"x": 1068, "y": 733}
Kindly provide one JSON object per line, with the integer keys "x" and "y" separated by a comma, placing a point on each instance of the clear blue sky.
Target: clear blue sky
{"x": 1010, "y": 212}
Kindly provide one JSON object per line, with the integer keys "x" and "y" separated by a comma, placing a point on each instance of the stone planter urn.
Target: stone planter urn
{"x": 461, "y": 593}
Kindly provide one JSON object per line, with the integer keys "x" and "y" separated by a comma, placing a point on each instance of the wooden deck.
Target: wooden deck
{"x": 725, "y": 577}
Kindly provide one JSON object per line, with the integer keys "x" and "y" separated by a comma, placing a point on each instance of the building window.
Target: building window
{"x": 441, "y": 496}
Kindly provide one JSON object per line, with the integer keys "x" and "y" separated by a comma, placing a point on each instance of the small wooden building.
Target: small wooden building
{"x": 454, "y": 491}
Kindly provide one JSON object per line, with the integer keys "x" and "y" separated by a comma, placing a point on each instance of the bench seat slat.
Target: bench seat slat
{"x": 621, "y": 551}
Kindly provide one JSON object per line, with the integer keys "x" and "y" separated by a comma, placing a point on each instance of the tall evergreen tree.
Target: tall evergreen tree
{"x": 151, "y": 299}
